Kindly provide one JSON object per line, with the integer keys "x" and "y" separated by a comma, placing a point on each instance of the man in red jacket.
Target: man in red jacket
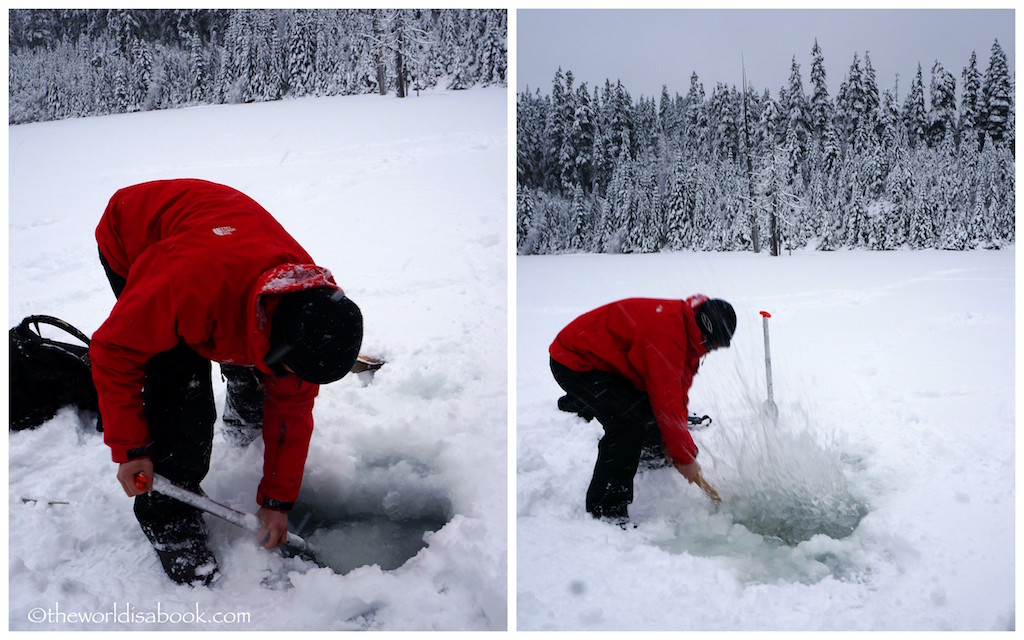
{"x": 630, "y": 364}
{"x": 203, "y": 273}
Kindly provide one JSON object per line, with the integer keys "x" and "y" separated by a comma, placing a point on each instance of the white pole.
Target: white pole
{"x": 771, "y": 411}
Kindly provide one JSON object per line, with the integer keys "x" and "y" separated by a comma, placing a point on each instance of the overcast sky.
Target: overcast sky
{"x": 650, "y": 48}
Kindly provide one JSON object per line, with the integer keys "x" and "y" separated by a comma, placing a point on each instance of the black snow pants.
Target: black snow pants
{"x": 179, "y": 407}
{"x": 630, "y": 431}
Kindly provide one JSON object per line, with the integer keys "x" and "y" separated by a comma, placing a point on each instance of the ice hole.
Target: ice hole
{"x": 369, "y": 529}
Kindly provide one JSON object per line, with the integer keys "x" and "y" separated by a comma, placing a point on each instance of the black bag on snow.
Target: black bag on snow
{"x": 48, "y": 374}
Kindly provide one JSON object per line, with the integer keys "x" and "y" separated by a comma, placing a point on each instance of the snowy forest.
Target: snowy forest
{"x": 67, "y": 63}
{"x": 743, "y": 170}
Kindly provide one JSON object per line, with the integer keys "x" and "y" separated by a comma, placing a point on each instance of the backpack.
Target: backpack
{"x": 48, "y": 374}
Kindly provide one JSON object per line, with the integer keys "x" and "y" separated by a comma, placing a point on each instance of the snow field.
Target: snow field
{"x": 405, "y": 201}
{"x": 893, "y": 373}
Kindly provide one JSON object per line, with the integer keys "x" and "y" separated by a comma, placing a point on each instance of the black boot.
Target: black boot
{"x": 617, "y": 514}
{"x": 572, "y": 404}
{"x": 181, "y": 542}
{"x": 652, "y": 452}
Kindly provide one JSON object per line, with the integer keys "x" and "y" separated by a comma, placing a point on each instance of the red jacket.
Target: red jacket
{"x": 204, "y": 265}
{"x": 654, "y": 343}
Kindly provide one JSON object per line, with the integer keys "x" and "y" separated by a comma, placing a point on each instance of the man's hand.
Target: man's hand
{"x": 273, "y": 527}
{"x": 126, "y": 475}
{"x": 689, "y": 471}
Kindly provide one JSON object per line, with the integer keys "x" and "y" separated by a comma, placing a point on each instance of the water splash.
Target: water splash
{"x": 781, "y": 480}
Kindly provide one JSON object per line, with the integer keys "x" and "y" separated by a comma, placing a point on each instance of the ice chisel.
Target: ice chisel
{"x": 247, "y": 521}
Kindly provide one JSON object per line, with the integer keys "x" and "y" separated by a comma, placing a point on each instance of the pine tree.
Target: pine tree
{"x": 851, "y": 105}
{"x": 564, "y": 105}
{"x": 996, "y": 97}
{"x": 900, "y": 187}
{"x": 970, "y": 103}
{"x": 581, "y": 137}
{"x": 530, "y": 141}
{"x": 680, "y": 206}
{"x": 667, "y": 118}
{"x": 888, "y": 125}
{"x": 798, "y": 127}
{"x": 723, "y": 110}
{"x": 604, "y": 160}
{"x": 579, "y": 239}
{"x": 696, "y": 140}
{"x": 196, "y": 68}
{"x": 141, "y": 75}
{"x": 821, "y": 105}
{"x": 942, "y": 116}
{"x": 556, "y": 133}
{"x": 494, "y": 53}
{"x": 620, "y": 123}
{"x": 922, "y": 213}
{"x": 616, "y": 202}
{"x": 914, "y": 115}
{"x": 872, "y": 98}
{"x": 302, "y": 54}
{"x": 525, "y": 215}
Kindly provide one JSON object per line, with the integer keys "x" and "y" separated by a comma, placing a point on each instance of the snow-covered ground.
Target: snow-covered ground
{"x": 405, "y": 201}
{"x": 894, "y": 377}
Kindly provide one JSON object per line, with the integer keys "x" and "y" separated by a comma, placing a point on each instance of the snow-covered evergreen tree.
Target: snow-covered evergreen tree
{"x": 680, "y": 206}
{"x": 302, "y": 54}
{"x": 970, "y": 103}
{"x": 581, "y": 140}
{"x": 673, "y": 168}
{"x": 579, "y": 230}
{"x": 915, "y": 118}
{"x": 798, "y": 127}
{"x": 695, "y": 120}
{"x": 525, "y": 219}
{"x": 131, "y": 59}
{"x": 820, "y": 104}
{"x": 942, "y": 115}
{"x": 996, "y": 96}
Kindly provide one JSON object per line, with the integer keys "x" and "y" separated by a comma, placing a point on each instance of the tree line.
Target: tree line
{"x": 738, "y": 169}
{"x": 67, "y": 63}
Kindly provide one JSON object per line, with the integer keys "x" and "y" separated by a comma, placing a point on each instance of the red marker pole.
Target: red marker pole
{"x": 770, "y": 411}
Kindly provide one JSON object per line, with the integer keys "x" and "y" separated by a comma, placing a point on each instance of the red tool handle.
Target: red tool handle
{"x": 141, "y": 480}
{"x": 766, "y": 314}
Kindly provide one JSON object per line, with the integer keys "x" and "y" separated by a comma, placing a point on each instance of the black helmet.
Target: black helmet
{"x": 316, "y": 333}
{"x": 717, "y": 321}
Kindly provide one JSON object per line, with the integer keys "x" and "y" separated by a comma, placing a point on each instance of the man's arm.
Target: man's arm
{"x": 287, "y": 429}
{"x": 667, "y": 385}
{"x": 141, "y": 325}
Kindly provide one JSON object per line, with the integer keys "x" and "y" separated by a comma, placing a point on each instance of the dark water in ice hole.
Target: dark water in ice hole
{"x": 775, "y": 514}
{"x": 346, "y": 541}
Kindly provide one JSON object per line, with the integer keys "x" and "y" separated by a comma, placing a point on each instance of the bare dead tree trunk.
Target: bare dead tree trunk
{"x": 754, "y": 235}
{"x": 400, "y": 44}
{"x": 773, "y": 216}
{"x": 378, "y": 52}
